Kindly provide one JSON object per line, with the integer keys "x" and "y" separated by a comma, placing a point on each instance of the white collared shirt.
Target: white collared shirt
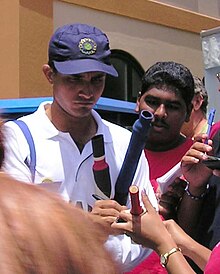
{"x": 59, "y": 160}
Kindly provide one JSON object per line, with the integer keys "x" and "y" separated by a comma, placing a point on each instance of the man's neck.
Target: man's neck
{"x": 81, "y": 130}
{"x": 158, "y": 147}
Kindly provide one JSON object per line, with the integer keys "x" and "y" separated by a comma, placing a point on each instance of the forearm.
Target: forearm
{"x": 198, "y": 253}
{"x": 189, "y": 210}
{"x": 176, "y": 264}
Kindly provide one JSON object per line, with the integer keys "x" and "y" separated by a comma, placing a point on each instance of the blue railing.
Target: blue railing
{"x": 28, "y": 105}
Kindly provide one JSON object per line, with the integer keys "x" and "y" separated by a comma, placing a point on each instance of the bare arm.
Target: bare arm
{"x": 197, "y": 174}
{"x": 149, "y": 230}
{"x": 190, "y": 248}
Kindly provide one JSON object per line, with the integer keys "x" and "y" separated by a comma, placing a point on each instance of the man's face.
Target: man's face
{"x": 169, "y": 111}
{"x": 77, "y": 94}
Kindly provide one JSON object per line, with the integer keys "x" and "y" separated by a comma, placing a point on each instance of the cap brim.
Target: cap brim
{"x": 84, "y": 65}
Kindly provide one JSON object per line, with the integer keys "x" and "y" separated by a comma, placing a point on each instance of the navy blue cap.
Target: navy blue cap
{"x": 79, "y": 48}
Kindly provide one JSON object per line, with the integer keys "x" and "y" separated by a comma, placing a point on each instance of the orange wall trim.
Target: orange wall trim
{"x": 153, "y": 12}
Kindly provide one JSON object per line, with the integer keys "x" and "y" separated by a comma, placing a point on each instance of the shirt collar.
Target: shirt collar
{"x": 51, "y": 130}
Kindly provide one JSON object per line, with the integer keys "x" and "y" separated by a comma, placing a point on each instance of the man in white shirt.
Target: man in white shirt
{"x": 62, "y": 130}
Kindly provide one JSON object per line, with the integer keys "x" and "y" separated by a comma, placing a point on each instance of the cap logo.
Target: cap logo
{"x": 87, "y": 46}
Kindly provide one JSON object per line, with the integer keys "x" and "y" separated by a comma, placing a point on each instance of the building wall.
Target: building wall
{"x": 35, "y": 28}
{"x": 26, "y": 26}
{"x": 147, "y": 42}
{"x": 9, "y": 52}
{"x": 211, "y": 8}
{"x": 149, "y": 30}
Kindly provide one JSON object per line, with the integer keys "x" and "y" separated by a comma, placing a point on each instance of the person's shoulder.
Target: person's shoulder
{"x": 215, "y": 129}
{"x": 212, "y": 267}
{"x": 28, "y": 118}
{"x": 110, "y": 126}
{"x": 11, "y": 124}
{"x": 117, "y": 128}
{"x": 117, "y": 135}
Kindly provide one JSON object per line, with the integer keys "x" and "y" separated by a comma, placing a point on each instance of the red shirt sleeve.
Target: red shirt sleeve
{"x": 213, "y": 265}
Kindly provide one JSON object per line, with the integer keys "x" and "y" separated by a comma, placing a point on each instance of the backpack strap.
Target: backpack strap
{"x": 32, "y": 165}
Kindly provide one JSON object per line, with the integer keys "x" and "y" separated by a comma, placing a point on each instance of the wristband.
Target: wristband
{"x": 164, "y": 257}
{"x": 199, "y": 197}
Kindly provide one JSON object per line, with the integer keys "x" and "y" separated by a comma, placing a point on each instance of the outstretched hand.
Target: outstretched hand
{"x": 146, "y": 229}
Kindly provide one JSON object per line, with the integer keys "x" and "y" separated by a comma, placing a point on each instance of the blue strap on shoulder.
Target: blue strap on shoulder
{"x": 32, "y": 165}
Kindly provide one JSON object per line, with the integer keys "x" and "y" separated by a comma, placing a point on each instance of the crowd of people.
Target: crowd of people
{"x": 70, "y": 231}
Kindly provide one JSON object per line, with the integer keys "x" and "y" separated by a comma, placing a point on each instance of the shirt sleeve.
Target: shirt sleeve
{"x": 16, "y": 152}
{"x": 213, "y": 264}
{"x": 126, "y": 252}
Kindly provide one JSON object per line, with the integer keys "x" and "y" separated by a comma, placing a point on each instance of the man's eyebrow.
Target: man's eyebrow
{"x": 81, "y": 75}
{"x": 149, "y": 96}
{"x": 73, "y": 75}
{"x": 100, "y": 75}
{"x": 173, "y": 101}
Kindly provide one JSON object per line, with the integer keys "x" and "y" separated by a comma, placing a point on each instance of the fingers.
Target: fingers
{"x": 216, "y": 172}
{"x": 147, "y": 204}
{"x": 104, "y": 212}
{"x": 167, "y": 212}
{"x": 124, "y": 226}
{"x": 107, "y": 207}
{"x": 196, "y": 153}
{"x": 177, "y": 188}
{"x": 202, "y": 138}
{"x": 199, "y": 147}
{"x": 169, "y": 200}
{"x": 167, "y": 208}
{"x": 107, "y": 210}
{"x": 170, "y": 224}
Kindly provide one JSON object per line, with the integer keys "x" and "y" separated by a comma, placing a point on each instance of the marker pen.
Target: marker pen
{"x": 210, "y": 123}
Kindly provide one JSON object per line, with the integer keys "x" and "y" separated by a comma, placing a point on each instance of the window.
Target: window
{"x": 126, "y": 86}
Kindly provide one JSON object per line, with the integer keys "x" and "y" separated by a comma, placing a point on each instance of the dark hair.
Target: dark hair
{"x": 200, "y": 89}
{"x": 174, "y": 76}
{"x": 53, "y": 237}
{"x": 51, "y": 64}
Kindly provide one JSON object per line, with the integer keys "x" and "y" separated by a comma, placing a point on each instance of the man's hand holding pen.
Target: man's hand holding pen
{"x": 144, "y": 229}
{"x": 106, "y": 212}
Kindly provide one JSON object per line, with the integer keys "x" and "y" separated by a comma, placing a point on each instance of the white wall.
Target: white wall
{"x": 208, "y": 7}
{"x": 148, "y": 43}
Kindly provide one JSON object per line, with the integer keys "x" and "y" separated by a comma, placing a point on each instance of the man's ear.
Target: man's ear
{"x": 189, "y": 110}
{"x": 137, "y": 107}
{"x": 48, "y": 72}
